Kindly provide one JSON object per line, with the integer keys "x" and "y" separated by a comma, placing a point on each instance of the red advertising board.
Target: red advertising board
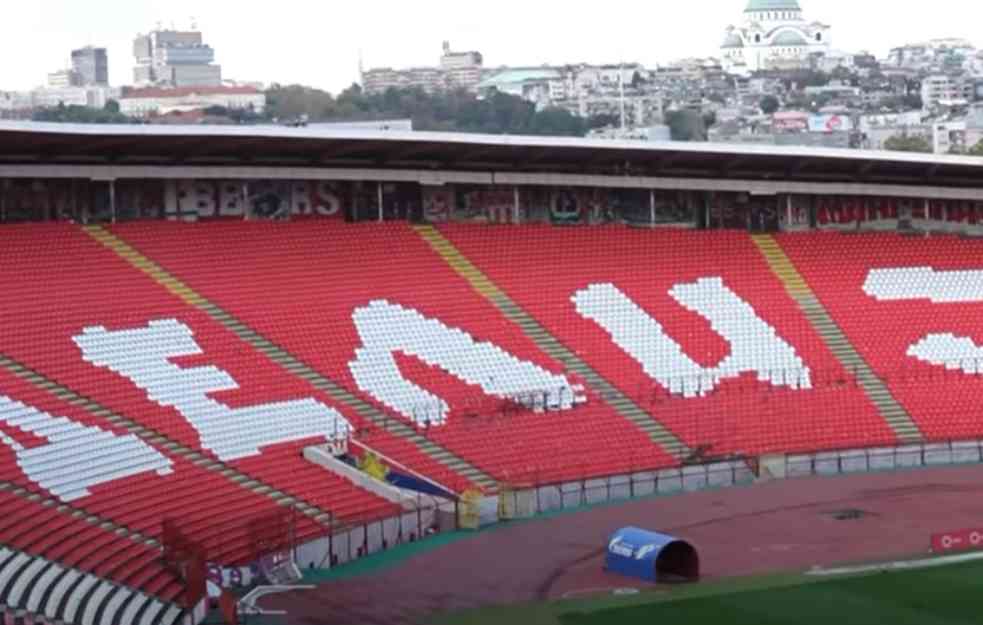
{"x": 959, "y": 540}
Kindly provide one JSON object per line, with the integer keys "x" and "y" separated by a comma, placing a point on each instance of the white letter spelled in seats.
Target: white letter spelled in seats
{"x": 387, "y": 328}
{"x": 76, "y": 457}
{"x": 957, "y": 353}
{"x": 143, "y": 356}
{"x": 912, "y": 283}
{"x": 754, "y": 345}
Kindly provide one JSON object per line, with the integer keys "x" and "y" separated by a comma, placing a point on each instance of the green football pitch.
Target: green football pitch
{"x": 945, "y": 595}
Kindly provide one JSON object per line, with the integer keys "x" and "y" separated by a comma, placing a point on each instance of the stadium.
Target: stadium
{"x": 294, "y": 375}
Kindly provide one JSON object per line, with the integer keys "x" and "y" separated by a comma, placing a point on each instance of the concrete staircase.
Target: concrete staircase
{"x": 623, "y": 404}
{"x": 876, "y": 390}
{"x": 288, "y": 361}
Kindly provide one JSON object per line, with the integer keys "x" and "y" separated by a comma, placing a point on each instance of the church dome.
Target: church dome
{"x": 789, "y": 38}
{"x": 772, "y": 5}
{"x": 733, "y": 40}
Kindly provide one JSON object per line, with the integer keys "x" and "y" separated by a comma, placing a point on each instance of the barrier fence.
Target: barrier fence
{"x": 425, "y": 515}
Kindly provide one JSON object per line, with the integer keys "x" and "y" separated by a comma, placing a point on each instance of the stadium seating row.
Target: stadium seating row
{"x": 694, "y": 327}
{"x": 889, "y": 294}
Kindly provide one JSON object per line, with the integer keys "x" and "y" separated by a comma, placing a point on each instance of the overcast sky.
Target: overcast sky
{"x": 317, "y": 42}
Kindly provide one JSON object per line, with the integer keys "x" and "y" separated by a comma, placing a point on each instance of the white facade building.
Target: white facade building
{"x": 457, "y": 70}
{"x": 154, "y": 101}
{"x": 773, "y": 35}
{"x": 63, "y": 78}
{"x": 175, "y": 58}
{"x": 940, "y": 89}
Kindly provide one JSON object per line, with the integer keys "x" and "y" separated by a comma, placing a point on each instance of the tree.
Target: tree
{"x": 603, "y": 120}
{"x": 769, "y": 104}
{"x": 976, "y": 150}
{"x": 686, "y": 125}
{"x": 912, "y": 102}
{"x": 907, "y": 143}
{"x": 75, "y": 114}
{"x": 458, "y": 111}
{"x": 112, "y": 106}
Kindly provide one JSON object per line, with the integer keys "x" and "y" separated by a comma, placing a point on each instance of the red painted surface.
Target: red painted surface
{"x": 958, "y": 540}
{"x": 780, "y": 526}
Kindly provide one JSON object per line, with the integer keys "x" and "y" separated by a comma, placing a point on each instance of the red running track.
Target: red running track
{"x": 779, "y": 526}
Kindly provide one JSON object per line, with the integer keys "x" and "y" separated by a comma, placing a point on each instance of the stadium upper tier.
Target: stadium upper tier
{"x": 164, "y": 371}
{"x": 447, "y": 156}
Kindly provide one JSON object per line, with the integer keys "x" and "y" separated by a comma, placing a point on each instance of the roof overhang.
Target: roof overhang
{"x": 30, "y": 143}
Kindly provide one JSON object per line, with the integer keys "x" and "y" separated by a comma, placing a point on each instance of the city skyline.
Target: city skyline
{"x": 320, "y": 45}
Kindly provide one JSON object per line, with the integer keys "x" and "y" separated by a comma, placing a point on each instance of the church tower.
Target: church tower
{"x": 773, "y": 34}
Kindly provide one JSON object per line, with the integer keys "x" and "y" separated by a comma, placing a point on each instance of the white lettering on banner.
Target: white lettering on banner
{"x": 386, "y": 328}
{"x": 76, "y": 457}
{"x": 957, "y": 353}
{"x": 912, "y": 283}
{"x": 754, "y": 345}
{"x": 143, "y": 356}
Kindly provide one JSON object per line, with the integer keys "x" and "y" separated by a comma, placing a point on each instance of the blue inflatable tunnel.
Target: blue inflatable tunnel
{"x": 651, "y": 556}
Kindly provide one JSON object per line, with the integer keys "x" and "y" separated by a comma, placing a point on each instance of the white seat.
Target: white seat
{"x": 53, "y": 608}
{"x": 96, "y": 600}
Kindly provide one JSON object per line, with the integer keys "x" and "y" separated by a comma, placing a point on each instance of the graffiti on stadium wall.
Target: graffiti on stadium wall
{"x": 270, "y": 199}
{"x": 483, "y": 204}
{"x": 884, "y": 213}
{"x": 437, "y": 203}
{"x": 91, "y": 201}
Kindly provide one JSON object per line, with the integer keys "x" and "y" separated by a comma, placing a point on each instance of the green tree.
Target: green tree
{"x": 769, "y": 104}
{"x": 907, "y": 143}
{"x": 603, "y": 120}
{"x": 686, "y": 125}
{"x": 912, "y": 102}
{"x": 458, "y": 111}
{"x": 976, "y": 150}
{"x": 75, "y": 114}
{"x": 291, "y": 102}
{"x": 112, "y": 106}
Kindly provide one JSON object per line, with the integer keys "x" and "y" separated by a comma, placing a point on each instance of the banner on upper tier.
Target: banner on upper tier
{"x": 484, "y": 204}
{"x": 262, "y": 199}
{"x": 437, "y": 203}
{"x": 886, "y": 213}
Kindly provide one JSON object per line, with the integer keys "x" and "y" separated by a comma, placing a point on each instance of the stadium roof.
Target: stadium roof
{"x": 30, "y": 143}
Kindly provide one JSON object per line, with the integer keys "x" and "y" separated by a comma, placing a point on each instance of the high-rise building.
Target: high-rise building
{"x": 457, "y": 70}
{"x": 64, "y": 78}
{"x": 175, "y": 58}
{"x": 91, "y": 65}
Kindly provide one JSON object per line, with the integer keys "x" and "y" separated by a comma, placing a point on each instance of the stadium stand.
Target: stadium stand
{"x": 908, "y": 304}
{"x": 60, "y": 560}
{"x": 273, "y": 277}
{"x": 544, "y": 269}
{"x": 124, "y": 372}
{"x": 48, "y": 303}
{"x": 159, "y": 381}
